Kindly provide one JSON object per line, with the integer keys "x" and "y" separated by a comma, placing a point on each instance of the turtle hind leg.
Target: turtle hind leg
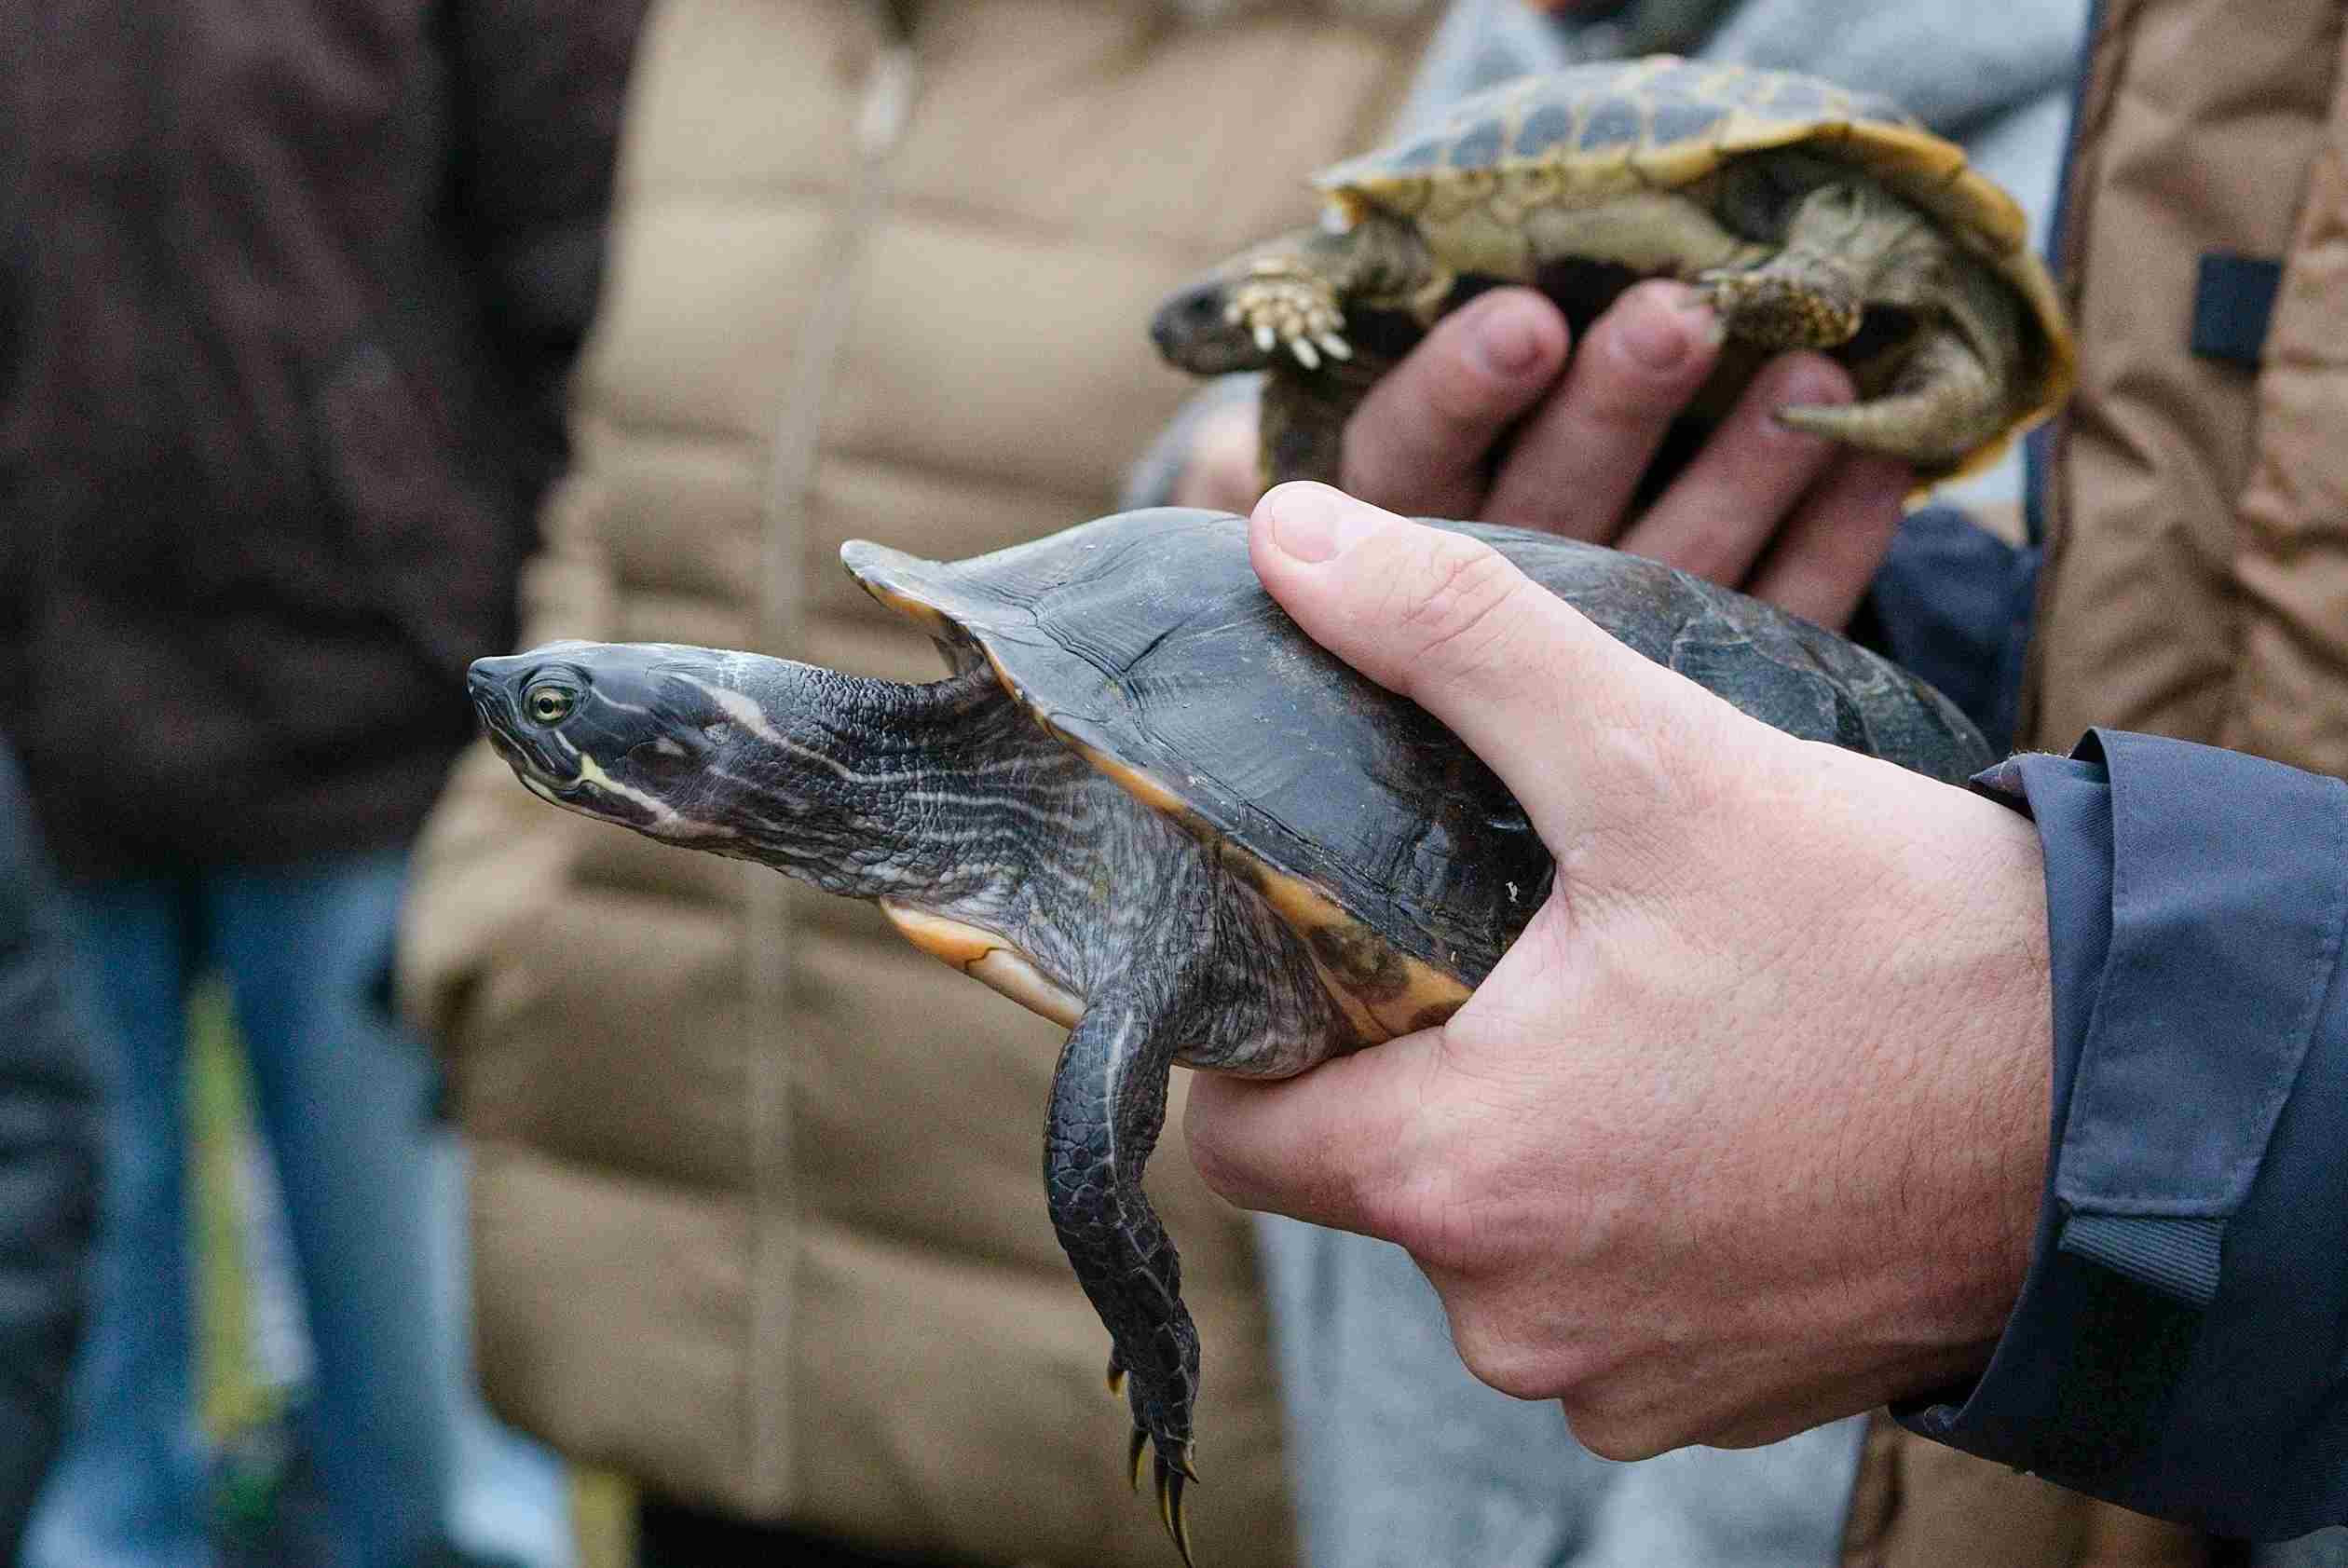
{"x": 1955, "y": 387}
{"x": 1943, "y": 405}
{"x": 1108, "y": 1103}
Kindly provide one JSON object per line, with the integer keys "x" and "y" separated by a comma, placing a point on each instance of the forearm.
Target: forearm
{"x": 2187, "y": 1292}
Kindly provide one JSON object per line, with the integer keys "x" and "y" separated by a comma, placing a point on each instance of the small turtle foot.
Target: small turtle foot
{"x": 1778, "y": 310}
{"x": 1286, "y": 305}
{"x": 1945, "y": 405}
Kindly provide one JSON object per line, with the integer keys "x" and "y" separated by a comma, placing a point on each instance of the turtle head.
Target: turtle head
{"x": 813, "y": 772}
{"x": 1199, "y": 328}
{"x": 685, "y": 745}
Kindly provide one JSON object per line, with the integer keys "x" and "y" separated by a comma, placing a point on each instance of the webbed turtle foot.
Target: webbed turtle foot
{"x": 1170, "y": 1482}
{"x": 1283, "y": 305}
{"x": 1162, "y": 1390}
{"x": 1173, "y": 1473}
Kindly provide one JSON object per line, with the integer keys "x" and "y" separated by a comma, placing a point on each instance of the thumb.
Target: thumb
{"x": 1515, "y": 671}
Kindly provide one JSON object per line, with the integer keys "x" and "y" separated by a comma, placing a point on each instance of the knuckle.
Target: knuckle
{"x": 1453, "y": 610}
{"x": 1219, "y": 1158}
{"x": 1617, "y": 1427}
{"x": 1501, "y": 1361}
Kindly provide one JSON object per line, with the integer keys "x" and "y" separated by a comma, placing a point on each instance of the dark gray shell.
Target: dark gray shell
{"x": 1145, "y": 640}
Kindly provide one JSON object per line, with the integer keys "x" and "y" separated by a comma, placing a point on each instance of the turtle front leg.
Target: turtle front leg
{"x": 1301, "y": 418}
{"x": 1284, "y": 302}
{"x": 1108, "y": 1103}
{"x": 1811, "y": 293}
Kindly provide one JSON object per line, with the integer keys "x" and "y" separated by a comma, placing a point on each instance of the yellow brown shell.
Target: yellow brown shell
{"x": 1591, "y": 134}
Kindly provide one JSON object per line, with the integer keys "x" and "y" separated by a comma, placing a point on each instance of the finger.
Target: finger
{"x": 1718, "y": 517}
{"x": 1525, "y": 680}
{"x": 1830, "y": 552}
{"x": 1572, "y": 468}
{"x": 1420, "y": 440}
{"x": 1315, "y": 1146}
{"x": 1220, "y": 473}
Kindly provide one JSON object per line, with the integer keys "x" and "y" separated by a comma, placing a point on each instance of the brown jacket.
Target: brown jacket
{"x": 757, "y": 1199}
{"x": 2197, "y": 538}
{"x": 287, "y": 298}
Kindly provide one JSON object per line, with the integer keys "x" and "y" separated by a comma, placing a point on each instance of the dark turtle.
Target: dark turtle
{"x": 1811, "y": 215}
{"x": 1148, "y": 806}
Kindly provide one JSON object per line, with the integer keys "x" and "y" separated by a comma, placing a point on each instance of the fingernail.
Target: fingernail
{"x": 1659, "y": 340}
{"x": 1507, "y": 342}
{"x": 1314, "y": 522}
{"x": 1808, "y": 386}
{"x": 1696, "y": 307}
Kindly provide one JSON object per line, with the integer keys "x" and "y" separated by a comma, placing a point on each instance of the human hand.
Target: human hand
{"x": 1220, "y": 471}
{"x": 1747, "y": 1129}
{"x": 1788, "y": 517}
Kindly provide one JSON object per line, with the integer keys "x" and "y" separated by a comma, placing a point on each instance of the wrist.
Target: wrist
{"x": 1978, "y": 1093}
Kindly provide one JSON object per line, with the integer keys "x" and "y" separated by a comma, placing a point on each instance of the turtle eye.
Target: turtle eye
{"x": 549, "y": 702}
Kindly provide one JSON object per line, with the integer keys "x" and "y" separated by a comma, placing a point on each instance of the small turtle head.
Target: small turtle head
{"x": 661, "y": 738}
{"x": 1198, "y": 330}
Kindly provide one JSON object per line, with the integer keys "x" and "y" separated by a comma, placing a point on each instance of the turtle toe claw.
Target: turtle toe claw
{"x": 1140, "y": 1446}
{"x": 1117, "y": 1374}
{"x": 1283, "y": 305}
{"x": 1170, "y": 1482}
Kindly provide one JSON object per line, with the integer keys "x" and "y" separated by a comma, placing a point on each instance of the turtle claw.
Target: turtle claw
{"x": 1171, "y": 1479}
{"x": 1117, "y": 1374}
{"x": 1173, "y": 1469}
{"x": 1282, "y": 303}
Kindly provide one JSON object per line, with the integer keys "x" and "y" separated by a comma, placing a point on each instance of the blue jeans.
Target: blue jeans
{"x": 344, "y": 1099}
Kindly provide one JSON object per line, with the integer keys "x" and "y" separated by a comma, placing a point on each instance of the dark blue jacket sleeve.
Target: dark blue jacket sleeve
{"x": 2180, "y": 1346}
{"x": 49, "y": 1157}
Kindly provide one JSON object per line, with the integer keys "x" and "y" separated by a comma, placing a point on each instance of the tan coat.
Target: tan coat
{"x": 2197, "y": 574}
{"x": 758, "y": 1205}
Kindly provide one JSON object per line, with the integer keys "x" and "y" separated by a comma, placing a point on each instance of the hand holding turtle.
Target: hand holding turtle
{"x": 1746, "y": 1131}
{"x": 1787, "y": 516}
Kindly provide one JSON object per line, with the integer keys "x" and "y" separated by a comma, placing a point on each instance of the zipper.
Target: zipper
{"x": 2045, "y": 450}
{"x": 883, "y": 110}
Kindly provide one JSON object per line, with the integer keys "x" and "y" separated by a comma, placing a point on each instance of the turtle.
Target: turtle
{"x": 1807, "y": 215}
{"x": 1143, "y": 803}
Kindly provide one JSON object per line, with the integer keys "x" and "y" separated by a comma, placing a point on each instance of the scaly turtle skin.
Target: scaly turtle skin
{"x": 1147, "y": 806}
{"x": 1809, "y": 215}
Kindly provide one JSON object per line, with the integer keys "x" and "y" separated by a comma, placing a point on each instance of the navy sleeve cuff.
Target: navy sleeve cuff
{"x": 2189, "y": 1292}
